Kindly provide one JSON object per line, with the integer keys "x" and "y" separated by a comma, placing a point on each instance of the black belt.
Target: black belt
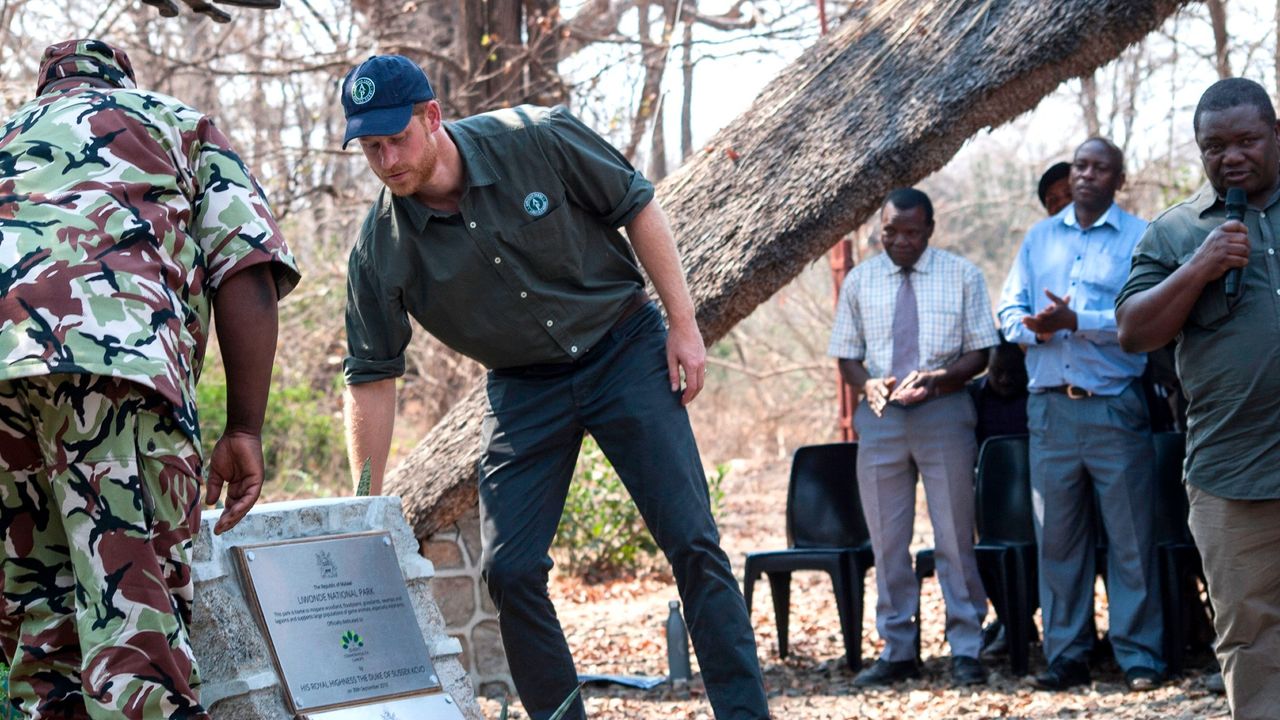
{"x": 1071, "y": 391}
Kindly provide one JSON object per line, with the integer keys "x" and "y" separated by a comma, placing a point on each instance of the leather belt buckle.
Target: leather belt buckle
{"x": 1076, "y": 393}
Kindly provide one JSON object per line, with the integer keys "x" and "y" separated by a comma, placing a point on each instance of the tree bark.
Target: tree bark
{"x": 879, "y": 103}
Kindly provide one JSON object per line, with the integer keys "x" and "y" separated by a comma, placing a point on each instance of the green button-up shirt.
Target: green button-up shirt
{"x": 531, "y": 269}
{"x": 1227, "y": 353}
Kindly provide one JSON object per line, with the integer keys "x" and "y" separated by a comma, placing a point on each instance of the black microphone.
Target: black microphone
{"x": 1237, "y": 202}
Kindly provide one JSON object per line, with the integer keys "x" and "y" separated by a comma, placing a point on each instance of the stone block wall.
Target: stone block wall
{"x": 469, "y": 614}
{"x": 239, "y": 680}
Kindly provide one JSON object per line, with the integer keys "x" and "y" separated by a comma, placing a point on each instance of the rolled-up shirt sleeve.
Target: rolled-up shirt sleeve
{"x": 1016, "y": 302}
{"x": 595, "y": 175}
{"x": 378, "y": 329}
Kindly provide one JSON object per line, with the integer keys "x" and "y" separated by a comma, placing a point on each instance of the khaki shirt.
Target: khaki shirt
{"x": 1228, "y": 353}
{"x": 532, "y": 269}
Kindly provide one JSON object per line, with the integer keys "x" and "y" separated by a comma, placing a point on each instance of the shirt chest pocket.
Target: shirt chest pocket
{"x": 549, "y": 246}
{"x": 1104, "y": 275}
{"x": 941, "y": 333}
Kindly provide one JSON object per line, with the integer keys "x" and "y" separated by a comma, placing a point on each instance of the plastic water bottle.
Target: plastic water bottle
{"x": 678, "y": 669}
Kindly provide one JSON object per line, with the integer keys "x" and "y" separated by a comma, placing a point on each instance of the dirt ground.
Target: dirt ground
{"x": 617, "y": 628}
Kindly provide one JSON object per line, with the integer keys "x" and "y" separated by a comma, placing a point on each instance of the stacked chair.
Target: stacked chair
{"x": 826, "y": 531}
{"x": 1006, "y": 547}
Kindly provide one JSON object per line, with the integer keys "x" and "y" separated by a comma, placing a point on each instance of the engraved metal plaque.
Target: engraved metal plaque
{"x": 422, "y": 707}
{"x": 338, "y": 619}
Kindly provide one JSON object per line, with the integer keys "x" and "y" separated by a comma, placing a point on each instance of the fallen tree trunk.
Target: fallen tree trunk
{"x": 882, "y": 102}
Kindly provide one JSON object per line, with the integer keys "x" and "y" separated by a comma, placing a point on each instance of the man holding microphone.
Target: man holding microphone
{"x": 1180, "y": 285}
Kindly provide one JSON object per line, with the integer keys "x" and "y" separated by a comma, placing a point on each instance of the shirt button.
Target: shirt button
{"x": 524, "y": 294}
{"x": 497, "y": 261}
{"x": 573, "y": 349}
{"x": 471, "y": 225}
{"x": 1271, "y": 251}
{"x": 550, "y": 323}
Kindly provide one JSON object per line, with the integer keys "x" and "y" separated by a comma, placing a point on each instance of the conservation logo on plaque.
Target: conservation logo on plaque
{"x": 337, "y": 616}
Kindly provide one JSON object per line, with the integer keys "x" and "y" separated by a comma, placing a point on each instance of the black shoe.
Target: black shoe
{"x": 967, "y": 671}
{"x": 886, "y": 672}
{"x": 1142, "y": 679}
{"x": 994, "y": 641}
{"x": 1062, "y": 674}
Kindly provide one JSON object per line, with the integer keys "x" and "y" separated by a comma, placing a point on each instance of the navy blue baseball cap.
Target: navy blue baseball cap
{"x": 379, "y": 94}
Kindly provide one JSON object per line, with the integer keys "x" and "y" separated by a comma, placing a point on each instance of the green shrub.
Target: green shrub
{"x": 601, "y": 533}
{"x": 302, "y": 442}
{"x": 7, "y": 711}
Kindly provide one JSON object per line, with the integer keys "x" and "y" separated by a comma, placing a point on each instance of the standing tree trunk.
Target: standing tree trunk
{"x": 877, "y": 104}
{"x": 1221, "y": 40}
{"x": 686, "y": 85}
{"x": 1089, "y": 105}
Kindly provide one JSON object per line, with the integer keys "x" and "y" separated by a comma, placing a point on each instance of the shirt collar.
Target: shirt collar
{"x": 477, "y": 171}
{"x": 921, "y": 267}
{"x": 1110, "y": 217}
{"x": 1207, "y": 199}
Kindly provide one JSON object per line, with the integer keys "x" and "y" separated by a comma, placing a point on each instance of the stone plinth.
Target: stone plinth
{"x": 469, "y": 614}
{"x": 240, "y": 682}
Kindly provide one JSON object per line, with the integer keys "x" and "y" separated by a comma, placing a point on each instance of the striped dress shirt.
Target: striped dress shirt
{"x": 951, "y": 300}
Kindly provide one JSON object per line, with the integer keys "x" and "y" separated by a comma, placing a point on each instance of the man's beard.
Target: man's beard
{"x": 417, "y": 174}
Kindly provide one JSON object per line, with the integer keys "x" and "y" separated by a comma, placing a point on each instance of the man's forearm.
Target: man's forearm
{"x": 369, "y": 411}
{"x": 1150, "y": 319}
{"x": 650, "y": 236}
{"x": 854, "y": 373}
{"x": 246, "y": 320}
{"x": 962, "y": 370}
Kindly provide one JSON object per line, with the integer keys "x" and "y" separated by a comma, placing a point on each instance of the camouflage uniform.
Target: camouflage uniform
{"x": 121, "y": 212}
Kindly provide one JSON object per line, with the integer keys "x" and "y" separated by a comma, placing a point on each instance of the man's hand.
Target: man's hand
{"x": 1058, "y": 316}
{"x": 1226, "y": 247}
{"x": 916, "y": 387}
{"x": 236, "y": 463}
{"x": 686, "y": 351}
{"x": 877, "y": 391}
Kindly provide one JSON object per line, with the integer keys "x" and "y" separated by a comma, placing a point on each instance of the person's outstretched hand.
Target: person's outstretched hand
{"x": 237, "y": 464}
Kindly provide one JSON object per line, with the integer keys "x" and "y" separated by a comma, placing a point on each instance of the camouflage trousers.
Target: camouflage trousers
{"x": 99, "y": 501}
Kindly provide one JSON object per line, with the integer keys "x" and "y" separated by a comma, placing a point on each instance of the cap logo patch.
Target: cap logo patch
{"x": 536, "y": 204}
{"x": 362, "y": 90}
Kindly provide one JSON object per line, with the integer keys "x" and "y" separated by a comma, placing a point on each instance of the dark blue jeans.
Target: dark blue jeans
{"x": 618, "y": 392}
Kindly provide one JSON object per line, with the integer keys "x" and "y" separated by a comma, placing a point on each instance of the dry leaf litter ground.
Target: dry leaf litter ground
{"x": 617, "y": 628}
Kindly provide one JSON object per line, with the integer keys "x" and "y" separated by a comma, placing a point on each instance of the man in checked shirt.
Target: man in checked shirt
{"x": 913, "y": 325}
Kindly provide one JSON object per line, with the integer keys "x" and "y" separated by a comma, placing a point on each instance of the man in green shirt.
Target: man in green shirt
{"x": 498, "y": 234}
{"x": 1230, "y": 369}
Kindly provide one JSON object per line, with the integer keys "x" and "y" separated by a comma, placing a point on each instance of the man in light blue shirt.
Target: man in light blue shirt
{"x": 1090, "y": 429}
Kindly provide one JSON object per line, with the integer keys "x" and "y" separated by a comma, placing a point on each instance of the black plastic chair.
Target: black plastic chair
{"x": 1179, "y": 559}
{"x": 1006, "y": 547}
{"x": 825, "y": 531}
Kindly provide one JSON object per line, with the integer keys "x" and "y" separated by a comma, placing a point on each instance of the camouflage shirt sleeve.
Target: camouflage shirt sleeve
{"x": 231, "y": 219}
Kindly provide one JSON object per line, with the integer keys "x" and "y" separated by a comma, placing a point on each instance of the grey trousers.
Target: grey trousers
{"x": 1109, "y": 438}
{"x": 936, "y": 441}
{"x": 1240, "y": 543}
{"x": 619, "y": 392}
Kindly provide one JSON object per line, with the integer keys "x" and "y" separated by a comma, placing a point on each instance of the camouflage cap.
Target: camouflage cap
{"x": 85, "y": 58}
